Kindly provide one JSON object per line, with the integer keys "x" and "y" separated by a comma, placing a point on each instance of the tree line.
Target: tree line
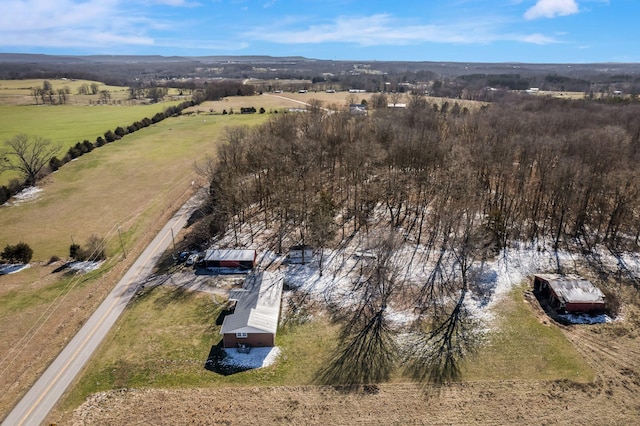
{"x": 557, "y": 173}
{"x": 35, "y": 157}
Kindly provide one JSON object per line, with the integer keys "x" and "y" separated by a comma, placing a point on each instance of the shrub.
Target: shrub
{"x": 94, "y": 250}
{"x": 100, "y": 141}
{"x": 55, "y": 163}
{"x": 120, "y": 131}
{"x": 158, "y": 117}
{"x": 109, "y": 136}
{"x": 88, "y": 145}
{"x": 20, "y": 253}
{"x": 74, "y": 152}
{"x": 74, "y": 251}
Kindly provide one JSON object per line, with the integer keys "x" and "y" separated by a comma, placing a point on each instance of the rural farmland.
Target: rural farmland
{"x": 430, "y": 217}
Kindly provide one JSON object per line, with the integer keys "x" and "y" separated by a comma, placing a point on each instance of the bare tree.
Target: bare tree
{"x": 367, "y": 350}
{"x": 28, "y": 156}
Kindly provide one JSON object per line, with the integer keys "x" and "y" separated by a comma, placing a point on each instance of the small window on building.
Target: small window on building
{"x": 241, "y": 335}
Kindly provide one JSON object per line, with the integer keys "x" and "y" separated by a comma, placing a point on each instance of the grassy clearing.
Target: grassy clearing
{"x": 523, "y": 348}
{"x": 126, "y": 183}
{"x": 283, "y": 101}
{"x": 68, "y": 124}
{"x": 164, "y": 338}
{"x": 18, "y": 92}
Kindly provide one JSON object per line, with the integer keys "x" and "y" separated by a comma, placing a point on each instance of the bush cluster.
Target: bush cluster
{"x": 19, "y": 253}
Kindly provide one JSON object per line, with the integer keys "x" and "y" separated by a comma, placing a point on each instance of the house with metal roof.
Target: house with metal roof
{"x": 570, "y": 293}
{"x": 256, "y": 311}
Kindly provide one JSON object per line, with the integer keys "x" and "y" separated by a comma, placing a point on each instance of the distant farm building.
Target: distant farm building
{"x": 256, "y": 311}
{"x": 358, "y": 109}
{"x": 300, "y": 254}
{"x": 569, "y": 293}
{"x": 229, "y": 258}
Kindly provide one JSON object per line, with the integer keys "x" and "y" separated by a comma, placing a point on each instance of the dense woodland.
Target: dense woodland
{"x": 534, "y": 169}
{"x": 457, "y": 186}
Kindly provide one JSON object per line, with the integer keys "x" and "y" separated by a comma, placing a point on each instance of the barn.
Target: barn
{"x": 229, "y": 258}
{"x": 570, "y": 293}
{"x": 256, "y": 309}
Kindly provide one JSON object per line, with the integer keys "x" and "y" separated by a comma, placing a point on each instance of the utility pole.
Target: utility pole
{"x": 124, "y": 252}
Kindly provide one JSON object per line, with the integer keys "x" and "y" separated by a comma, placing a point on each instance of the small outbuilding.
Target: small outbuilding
{"x": 300, "y": 254}
{"x": 256, "y": 311}
{"x": 229, "y": 258}
{"x": 570, "y": 293}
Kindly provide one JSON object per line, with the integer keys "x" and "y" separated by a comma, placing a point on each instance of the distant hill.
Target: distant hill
{"x": 123, "y": 69}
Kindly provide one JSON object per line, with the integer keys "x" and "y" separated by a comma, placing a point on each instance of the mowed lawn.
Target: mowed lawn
{"x": 164, "y": 338}
{"x": 123, "y": 184}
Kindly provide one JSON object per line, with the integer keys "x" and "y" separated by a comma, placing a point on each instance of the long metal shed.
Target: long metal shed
{"x": 230, "y": 258}
{"x": 570, "y": 293}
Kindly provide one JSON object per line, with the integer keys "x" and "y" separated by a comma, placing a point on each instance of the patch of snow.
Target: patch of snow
{"x": 13, "y": 268}
{"x": 85, "y": 266}
{"x": 256, "y": 358}
{"x": 585, "y": 318}
{"x": 28, "y": 194}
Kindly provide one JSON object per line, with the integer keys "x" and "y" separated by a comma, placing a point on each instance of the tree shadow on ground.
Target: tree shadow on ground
{"x": 173, "y": 295}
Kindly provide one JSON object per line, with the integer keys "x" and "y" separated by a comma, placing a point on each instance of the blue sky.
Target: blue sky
{"x": 540, "y": 31}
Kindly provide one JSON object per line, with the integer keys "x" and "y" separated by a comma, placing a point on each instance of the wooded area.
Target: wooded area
{"x": 460, "y": 187}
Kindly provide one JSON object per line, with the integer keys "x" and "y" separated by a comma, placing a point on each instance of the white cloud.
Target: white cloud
{"x": 538, "y": 39}
{"x": 384, "y": 30}
{"x": 551, "y": 9}
{"x": 73, "y": 23}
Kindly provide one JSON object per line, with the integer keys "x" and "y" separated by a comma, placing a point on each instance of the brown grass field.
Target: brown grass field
{"x": 136, "y": 184}
{"x": 609, "y": 399}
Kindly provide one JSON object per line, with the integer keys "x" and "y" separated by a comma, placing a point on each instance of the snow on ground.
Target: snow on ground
{"x": 27, "y": 194}
{"x": 12, "y": 268}
{"x": 256, "y": 358}
{"x": 84, "y": 267}
{"x": 491, "y": 280}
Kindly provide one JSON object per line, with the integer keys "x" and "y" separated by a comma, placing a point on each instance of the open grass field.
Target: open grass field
{"x": 115, "y": 185}
{"x": 18, "y": 92}
{"x": 283, "y": 101}
{"x": 66, "y": 125}
{"x": 546, "y": 373}
{"x": 164, "y": 339}
{"x": 530, "y": 371}
{"x": 135, "y": 183}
